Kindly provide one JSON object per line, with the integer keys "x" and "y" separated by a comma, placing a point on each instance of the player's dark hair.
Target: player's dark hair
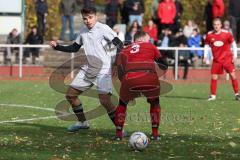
{"x": 139, "y": 34}
{"x": 88, "y": 10}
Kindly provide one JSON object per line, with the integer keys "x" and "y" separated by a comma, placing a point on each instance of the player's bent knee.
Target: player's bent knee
{"x": 71, "y": 98}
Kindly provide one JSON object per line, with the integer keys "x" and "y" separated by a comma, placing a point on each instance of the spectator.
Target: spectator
{"x": 152, "y": 31}
{"x": 131, "y": 31}
{"x": 234, "y": 14}
{"x": 33, "y": 38}
{"x": 154, "y": 9}
{"x": 136, "y": 25}
{"x": 154, "y": 14}
{"x": 208, "y": 16}
{"x": 227, "y": 26}
{"x": 12, "y": 38}
{"x": 124, "y": 13}
{"x": 166, "y": 13}
{"x": 111, "y": 11}
{"x": 166, "y": 40}
{"x": 42, "y": 12}
{"x": 177, "y": 19}
{"x": 188, "y": 29}
{"x": 179, "y": 38}
{"x": 195, "y": 41}
{"x": 67, "y": 10}
{"x": 88, "y": 3}
{"x": 218, "y": 8}
{"x": 183, "y": 59}
{"x": 120, "y": 34}
{"x": 136, "y": 11}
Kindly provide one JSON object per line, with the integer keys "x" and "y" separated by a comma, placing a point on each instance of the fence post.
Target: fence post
{"x": 72, "y": 64}
{"x": 20, "y": 61}
{"x": 176, "y": 64}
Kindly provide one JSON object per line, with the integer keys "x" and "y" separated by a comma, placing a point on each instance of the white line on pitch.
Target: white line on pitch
{"x": 30, "y": 119}
{"x": 27, "y": 106}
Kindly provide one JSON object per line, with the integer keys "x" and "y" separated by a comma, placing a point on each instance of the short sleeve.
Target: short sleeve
{"x": 108, "y": 34}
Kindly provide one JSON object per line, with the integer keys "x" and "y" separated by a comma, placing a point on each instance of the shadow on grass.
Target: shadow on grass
{"x": 186, "y": 97}
{"x": 35, "y": 141}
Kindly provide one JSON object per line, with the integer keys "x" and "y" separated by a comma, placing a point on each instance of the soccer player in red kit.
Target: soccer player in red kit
{"x": 220, "y": 41}
{"x": 138, "y": 76}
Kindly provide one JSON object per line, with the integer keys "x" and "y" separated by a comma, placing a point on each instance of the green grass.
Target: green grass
{"x": 191, "y": 127}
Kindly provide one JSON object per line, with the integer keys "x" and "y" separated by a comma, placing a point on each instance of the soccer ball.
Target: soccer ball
{"x": 138, "y": 141}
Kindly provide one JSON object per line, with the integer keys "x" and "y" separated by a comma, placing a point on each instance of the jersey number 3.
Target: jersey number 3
{"x": 135, "y": 48}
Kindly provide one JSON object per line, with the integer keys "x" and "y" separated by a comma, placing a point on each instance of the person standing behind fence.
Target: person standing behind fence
{"x": 166, "y": 14}
{"x": 136, "y": 11}
{"x": 89, "y": 3}
{"x": 33, "y": 38}
{"x": 12, "y": 38}
{"x": 42, "y": 12}
{"x": 208, "y": 16}
{"x": 218, "y": 9}
{"x": 177, "y": 19}
{"x": 67, "y": 10}
{"x": 124, "y": 12}
{"x": 234, "y": 15}
{"x": 111, "y": 10}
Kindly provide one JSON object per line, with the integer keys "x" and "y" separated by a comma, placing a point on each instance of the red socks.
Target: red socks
{"x": 235, "y": 85}
{"x": 155, "y": 112}
{"x": 213, "y": 86}
{"x": 120, "y": 116}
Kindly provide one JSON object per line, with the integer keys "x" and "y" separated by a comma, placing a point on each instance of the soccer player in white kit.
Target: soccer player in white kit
{"x": 100, "y": 44}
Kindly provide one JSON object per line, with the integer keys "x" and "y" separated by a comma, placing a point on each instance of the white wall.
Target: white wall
{"x": 7, "y": 23}
{"x": 11, "y": 6}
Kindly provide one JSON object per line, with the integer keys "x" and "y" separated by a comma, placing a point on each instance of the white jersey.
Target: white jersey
{"x": 98, "y": 47}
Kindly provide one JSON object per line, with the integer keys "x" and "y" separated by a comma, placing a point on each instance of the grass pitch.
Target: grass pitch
{"x": 191, "y": 127}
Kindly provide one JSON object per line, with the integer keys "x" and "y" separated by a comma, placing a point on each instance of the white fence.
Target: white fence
{"x": 176, "y": 49}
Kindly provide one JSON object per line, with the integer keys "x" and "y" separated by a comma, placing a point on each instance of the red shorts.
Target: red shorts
{"x": 217, "y": 67}
{"x": 136, "y": 84}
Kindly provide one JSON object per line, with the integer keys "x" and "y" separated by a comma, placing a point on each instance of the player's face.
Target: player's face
{"x": 217, "y": 25}
{"x": 89, "y": 20}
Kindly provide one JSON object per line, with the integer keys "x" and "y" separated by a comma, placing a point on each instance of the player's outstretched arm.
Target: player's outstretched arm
{"x": 71, "y": 48}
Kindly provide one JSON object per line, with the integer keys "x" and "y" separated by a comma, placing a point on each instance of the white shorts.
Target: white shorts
{"x": 103, "y": 82}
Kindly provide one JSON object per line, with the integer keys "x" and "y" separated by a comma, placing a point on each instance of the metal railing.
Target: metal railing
{"x": 20, "y": 46}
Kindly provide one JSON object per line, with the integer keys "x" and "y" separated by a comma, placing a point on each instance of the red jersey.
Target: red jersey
{"x": 153, "y": 32}
{"x": 138, "y": 56}
{"x": 220, "y": 45}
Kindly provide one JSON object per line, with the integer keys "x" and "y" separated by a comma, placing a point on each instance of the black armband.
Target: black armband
{"x": 71, "y": 48}
{"x": 118, "y": 43}
{"x": 162, "y": 63}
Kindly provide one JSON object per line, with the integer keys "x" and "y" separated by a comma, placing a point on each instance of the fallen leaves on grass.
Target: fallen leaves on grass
{"x": 232, "y": 144}
{"x": 20, "y": 139}
{"x": 215, "y": 153}
{"x": 236, "y": 129}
